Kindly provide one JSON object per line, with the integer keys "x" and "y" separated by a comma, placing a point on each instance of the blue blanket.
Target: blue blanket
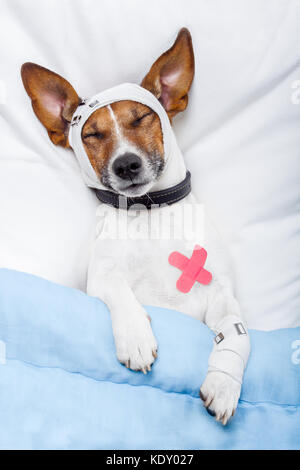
{"x": 63, "y": 388}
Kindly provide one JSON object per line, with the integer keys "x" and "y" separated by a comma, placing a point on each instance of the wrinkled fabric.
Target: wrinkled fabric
{"x": 63, "y": 388}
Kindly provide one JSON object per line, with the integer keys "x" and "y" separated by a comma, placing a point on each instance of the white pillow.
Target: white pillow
{"x": 240, "y": 134}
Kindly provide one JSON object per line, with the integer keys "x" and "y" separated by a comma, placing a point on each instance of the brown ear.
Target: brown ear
{"x": 171, "y": 76}
{"x": 54, "y": 100}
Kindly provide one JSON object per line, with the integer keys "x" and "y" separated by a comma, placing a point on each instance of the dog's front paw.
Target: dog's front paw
{"x": 220, "y": 394}
{"x": 135, "y": 342}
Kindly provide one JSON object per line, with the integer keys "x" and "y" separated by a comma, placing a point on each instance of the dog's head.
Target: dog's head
{"x": 124, "y": 140}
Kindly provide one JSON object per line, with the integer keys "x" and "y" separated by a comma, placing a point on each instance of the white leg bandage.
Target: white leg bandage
{"x": 231, "y": 348}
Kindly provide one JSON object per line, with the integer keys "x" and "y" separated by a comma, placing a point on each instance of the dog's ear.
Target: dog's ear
{"x": 54, "y": 100}
{"x": 171, "y": 76}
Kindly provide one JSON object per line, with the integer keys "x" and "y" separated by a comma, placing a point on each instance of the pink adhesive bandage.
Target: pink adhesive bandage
{"x": 192, "y": 269}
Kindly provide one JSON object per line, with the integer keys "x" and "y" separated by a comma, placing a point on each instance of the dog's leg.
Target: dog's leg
{"x": 221, "y": 388}
{"x": 136, "y": 346}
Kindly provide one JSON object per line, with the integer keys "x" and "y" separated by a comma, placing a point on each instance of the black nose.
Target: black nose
{"x": 127, "y": 166}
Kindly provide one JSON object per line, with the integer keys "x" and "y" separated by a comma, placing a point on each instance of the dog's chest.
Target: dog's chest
{"x": 140, "y": 244}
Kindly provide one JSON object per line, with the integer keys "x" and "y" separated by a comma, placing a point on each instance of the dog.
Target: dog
{"x": 121, "y": 138}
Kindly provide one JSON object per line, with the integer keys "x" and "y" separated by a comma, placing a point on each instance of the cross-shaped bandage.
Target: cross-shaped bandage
{"x": 192, "y": 269}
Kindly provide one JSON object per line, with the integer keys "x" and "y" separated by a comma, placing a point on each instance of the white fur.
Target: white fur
{"x": 122, "y": 147}
{"x": 130, "y": 271}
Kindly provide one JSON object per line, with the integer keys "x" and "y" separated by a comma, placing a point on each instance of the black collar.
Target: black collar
{"x": 155, "y": 199}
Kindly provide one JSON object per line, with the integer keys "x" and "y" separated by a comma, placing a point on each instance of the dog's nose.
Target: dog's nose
{"x": 127, "y": 166}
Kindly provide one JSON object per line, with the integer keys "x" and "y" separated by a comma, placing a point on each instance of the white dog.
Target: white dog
{"x": 127, "y": 151}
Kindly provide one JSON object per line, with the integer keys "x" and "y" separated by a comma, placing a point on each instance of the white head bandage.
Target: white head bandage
{"x": 126, "y": 91}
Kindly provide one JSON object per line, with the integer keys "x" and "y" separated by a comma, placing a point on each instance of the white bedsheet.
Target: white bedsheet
{"x": 240, "y": 134}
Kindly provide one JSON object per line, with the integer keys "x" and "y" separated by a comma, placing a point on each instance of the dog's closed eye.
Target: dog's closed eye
{"x": 140, "y": 119}
{"x": 96, "y": 135}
